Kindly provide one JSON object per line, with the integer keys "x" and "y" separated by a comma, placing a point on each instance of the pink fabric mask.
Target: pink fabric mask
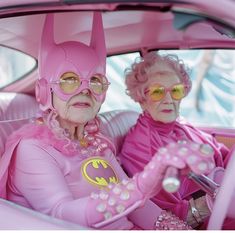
{"x": 70, "y": 56}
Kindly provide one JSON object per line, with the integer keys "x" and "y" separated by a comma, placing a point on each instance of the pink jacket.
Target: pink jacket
{"x": 144, "y": 139}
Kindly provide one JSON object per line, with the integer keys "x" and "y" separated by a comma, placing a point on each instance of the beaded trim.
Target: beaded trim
{"x": 168, "y": 221}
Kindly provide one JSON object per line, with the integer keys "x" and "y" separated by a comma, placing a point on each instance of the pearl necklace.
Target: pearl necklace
{"x": 92, "y": 145}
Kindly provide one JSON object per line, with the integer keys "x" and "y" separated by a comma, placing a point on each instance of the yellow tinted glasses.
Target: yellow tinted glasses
{"x": 157, "y": 92}
{"x": 71, "y": 82}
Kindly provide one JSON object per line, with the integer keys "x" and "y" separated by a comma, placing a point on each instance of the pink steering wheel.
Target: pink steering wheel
{"x": 223, "y": 202}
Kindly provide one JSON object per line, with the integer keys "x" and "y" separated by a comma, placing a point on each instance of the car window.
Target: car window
{"x": 14, "y": 65}
{"x": 116, "y": 95}
{"x": 211, "y": 100}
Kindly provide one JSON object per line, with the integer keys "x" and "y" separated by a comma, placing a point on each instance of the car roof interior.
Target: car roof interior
{"x": 129, "y": 26}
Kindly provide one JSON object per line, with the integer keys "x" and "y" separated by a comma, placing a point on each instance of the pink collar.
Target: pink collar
{"x": 162, "y": 128}
{"x": 96, "y": 143}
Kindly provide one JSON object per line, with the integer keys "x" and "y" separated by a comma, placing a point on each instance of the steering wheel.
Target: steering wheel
{"x": 223, "y": 205}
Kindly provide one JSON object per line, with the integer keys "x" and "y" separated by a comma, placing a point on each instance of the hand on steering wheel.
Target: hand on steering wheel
{"x": 184, "y": 155}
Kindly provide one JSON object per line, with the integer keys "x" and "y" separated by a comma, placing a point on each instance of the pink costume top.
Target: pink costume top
{"x": 49, "y": 175}
{"x": 146, "y": 137}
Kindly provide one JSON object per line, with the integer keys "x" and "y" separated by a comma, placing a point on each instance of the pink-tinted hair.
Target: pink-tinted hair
{"x": 137, "y": 74}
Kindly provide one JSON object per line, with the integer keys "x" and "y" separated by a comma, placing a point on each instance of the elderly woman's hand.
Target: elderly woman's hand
{"x": 198, "y": 211}
{"x": 198, "y": 158}
{"x": 185, "y": 156}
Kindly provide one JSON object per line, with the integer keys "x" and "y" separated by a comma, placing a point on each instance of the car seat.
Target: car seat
{"x": 16, "y": 109}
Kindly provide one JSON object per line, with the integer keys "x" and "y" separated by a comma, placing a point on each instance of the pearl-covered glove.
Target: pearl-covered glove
{"x": 120, "y": 199}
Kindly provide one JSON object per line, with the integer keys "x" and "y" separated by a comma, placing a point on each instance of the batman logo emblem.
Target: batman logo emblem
{"x": 99, "y": 172}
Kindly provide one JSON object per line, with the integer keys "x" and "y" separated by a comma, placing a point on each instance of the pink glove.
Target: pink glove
{"x": 119, "y": 200}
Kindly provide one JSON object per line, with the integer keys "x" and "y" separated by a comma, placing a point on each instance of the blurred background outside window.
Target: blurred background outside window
{"x": 14, "y": 65}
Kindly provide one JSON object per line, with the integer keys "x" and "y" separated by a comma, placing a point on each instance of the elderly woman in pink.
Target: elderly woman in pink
{"x": 159, "y": 83}
{"x": 62, "y": 166}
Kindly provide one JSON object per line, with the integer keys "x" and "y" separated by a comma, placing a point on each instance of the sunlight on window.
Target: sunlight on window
{"x": 14, "y": 65}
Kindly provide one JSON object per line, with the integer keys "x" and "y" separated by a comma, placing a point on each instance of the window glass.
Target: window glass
{"x": 14, "y": 65}
{"x": 211, "y": 100}
{"x": 116, "y": 97}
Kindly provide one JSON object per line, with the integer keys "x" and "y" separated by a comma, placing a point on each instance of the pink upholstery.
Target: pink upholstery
{"x": 116, "y": 124}
{"x": 16, "y": 106}
{"x": 15, "y": 110}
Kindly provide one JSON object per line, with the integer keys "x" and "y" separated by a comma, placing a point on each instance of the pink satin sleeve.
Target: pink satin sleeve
{"x": 38, "y": 177}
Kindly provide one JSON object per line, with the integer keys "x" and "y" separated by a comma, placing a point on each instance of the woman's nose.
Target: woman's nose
{"x": 167, "y": 99}
{"x": 85, "y": 91}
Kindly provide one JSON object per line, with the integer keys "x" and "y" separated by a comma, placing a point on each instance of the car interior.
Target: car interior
{"x": 134, "y": 27}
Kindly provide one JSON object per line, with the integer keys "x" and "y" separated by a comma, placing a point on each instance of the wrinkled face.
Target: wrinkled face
{"x": 166, "y": 109}
{"x": 79, "y": 109}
